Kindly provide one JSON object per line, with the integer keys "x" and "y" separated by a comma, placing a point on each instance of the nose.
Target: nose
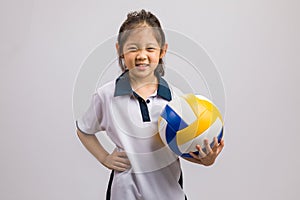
{"x": 142, "y": 55}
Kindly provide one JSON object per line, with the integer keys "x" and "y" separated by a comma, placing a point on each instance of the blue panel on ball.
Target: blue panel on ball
{"x": 171, "y": 140}
{"x": 170, "y": 134}
{"x": 220, "y": 135}
{"x": 173, "y": 119}
{"x": 174, "y": 124}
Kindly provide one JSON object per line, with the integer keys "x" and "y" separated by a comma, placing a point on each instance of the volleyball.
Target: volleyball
{"x": 186, "y": 121}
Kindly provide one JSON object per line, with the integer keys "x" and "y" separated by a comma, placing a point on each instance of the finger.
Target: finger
{"x": 194, "y": 155}
{"x": 215, "y": 145}
{"x": 122, "y": 160}
{"x": 222, "y": 142}
{"x": 120, "y": 169}
{"x": 207, "y": 146}
{"x": 122, "y": 165}
{"x": 220, "y": 147}
{"x": 121, "y": 154}
{"x": 201, "y": 152}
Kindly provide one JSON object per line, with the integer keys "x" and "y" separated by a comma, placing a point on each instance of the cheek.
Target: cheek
{"x": 129, "y": 61}
{"x": 154, "y": 58}
{"x": 128, "y": 58}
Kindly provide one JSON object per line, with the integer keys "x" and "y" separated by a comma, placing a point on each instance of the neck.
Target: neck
{"x": 144, "y": 86}
{"x": 145, "y": 82}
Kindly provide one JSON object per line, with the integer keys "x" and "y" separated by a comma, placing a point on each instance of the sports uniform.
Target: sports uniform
{"x": 131, "y": 123}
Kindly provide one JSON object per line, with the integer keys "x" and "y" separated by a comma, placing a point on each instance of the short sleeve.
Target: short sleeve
{"x": 90, "y": 122}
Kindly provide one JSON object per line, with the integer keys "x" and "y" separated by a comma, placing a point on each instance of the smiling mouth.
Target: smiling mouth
{"x": 142, "y": 65}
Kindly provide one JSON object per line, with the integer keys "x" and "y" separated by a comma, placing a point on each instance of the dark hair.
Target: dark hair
{"x": 135, "y": 20}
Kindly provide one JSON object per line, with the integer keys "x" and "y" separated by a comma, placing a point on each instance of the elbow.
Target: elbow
{"x": 79, "y": 134}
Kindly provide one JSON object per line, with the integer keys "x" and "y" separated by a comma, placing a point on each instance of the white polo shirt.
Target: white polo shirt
{"x": 131, "y": 123}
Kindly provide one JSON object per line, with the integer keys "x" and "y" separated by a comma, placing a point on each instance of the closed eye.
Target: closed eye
{"x": 132, "y": 49}
{"x": 151, "y": 48}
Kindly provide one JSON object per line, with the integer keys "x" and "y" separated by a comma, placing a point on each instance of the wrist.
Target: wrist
{"x": 102, "y": 158}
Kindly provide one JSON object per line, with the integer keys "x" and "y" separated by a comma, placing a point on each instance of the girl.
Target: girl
{"x": 128, "y": 109}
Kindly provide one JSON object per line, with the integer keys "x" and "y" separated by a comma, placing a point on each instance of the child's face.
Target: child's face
{"x": 142, "y": 52}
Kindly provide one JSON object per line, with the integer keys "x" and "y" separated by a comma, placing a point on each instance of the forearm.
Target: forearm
{"x": 93, "y": 145}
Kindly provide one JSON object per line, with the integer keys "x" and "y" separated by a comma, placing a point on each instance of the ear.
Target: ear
{"x": 163, "y": 50}
{"x": 117, "y": 48}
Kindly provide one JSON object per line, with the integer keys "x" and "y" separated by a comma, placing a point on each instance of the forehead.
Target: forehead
{"x": 141, "y": 36}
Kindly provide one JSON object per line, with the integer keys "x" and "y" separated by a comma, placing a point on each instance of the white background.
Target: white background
{"x": 254, "y": 44}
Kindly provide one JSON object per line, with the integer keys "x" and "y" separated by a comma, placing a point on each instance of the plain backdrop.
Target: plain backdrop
{"x": 254, "y": 44}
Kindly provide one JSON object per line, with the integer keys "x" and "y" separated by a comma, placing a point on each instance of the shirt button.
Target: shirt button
{"x": 147, "y": 101}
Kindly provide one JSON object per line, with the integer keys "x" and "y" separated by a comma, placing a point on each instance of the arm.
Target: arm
{"x": 115, "y": 161}
{"x": 211, "y": 154}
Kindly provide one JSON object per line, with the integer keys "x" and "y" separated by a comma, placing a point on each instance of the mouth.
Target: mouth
{"x": 142, "y": 65}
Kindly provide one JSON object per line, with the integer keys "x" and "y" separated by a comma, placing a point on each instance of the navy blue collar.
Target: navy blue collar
{"x": 123, "y": 86}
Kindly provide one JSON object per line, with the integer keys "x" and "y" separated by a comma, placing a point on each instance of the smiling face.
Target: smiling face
{"x": 141, "y": 53}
